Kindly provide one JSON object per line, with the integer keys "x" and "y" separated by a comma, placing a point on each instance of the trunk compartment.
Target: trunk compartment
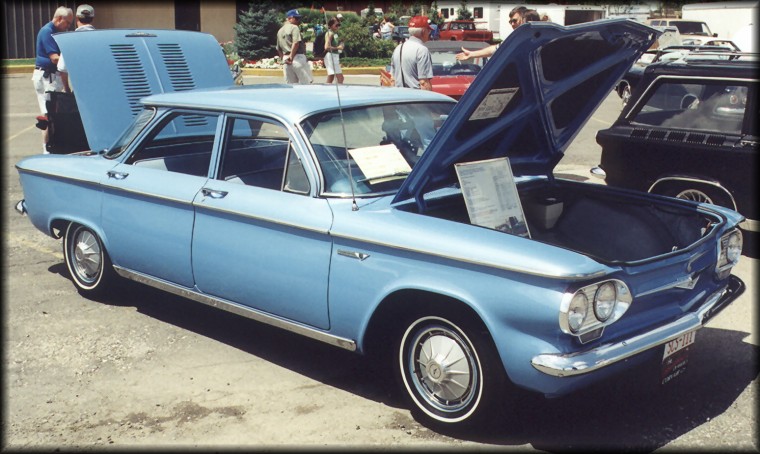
{"x": 611, "y": 226}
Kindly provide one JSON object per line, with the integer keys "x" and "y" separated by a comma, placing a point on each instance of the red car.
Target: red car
{"x": 450, "y": 77}
{"x": 463, "y": 30}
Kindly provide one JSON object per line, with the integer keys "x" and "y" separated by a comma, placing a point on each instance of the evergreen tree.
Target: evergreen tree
{"x": 463, "y": 12}
{"x": 256, "y": 31}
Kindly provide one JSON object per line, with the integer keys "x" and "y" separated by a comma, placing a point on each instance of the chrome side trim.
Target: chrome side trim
{"x": 696, "y": 180}
{"x": 462, "y": 259}
{"x": 572, "y": 364}
{"x": 353, "y": 255}
{"x": 260, "y": 218}
{"x": 238, "y": 309}
{"x": 686, "y": 282}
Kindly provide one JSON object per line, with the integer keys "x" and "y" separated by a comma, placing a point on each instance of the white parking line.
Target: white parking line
{"x": 20, "y": 133}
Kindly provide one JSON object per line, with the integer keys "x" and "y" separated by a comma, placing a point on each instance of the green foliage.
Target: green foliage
{"x": 359, "y": 43}
{"x": 435, "y": 15}
{"x": 256, "y": 31}
{"x": 358, "y": 62}
{"x": 463, "y": 13}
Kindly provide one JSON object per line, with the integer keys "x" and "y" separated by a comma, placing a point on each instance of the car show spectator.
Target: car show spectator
{"x": 85, "y": 15}
{"x": 518, "y": 16}
{"x": 386, "y": 28}
{"x": 333, "y": 48}
{"x": 45, "y": 76}
{"x": 292, "y": 50}
{"x": 411, "y": 63}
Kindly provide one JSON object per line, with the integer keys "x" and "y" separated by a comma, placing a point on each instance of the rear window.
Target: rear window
{"x": 716, "y": 107}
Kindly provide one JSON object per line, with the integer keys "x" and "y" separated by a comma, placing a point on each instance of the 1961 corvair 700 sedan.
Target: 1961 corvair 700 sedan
{"x": 386, "y": 221}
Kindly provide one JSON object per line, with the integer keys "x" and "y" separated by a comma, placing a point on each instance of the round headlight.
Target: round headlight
{"x": 604, "y": 301}
{"x": 577, "y": 311}
{"x": 734, "y": 247}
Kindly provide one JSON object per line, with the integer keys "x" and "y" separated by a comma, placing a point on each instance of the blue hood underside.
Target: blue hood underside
{"x": 531, "y": 99}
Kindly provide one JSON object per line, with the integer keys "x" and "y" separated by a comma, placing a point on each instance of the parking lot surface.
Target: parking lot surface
{"x": 147, "y": 369}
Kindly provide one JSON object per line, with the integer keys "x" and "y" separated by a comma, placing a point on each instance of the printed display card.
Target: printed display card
{"x": 491, "y": 197}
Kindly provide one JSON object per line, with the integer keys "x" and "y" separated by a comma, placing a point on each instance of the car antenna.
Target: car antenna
{"x": 354, "y": 206}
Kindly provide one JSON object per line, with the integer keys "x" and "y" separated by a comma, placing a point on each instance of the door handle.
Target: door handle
{"x": 213, "y": 193}
{"x": 117, "y": 175}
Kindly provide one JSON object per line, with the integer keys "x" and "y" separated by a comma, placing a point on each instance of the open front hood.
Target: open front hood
{"x": 531, "y": 99}
{"x": 111, "y": 70}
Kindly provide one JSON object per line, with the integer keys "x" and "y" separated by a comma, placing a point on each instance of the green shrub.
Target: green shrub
{"x": 256, "y": 32}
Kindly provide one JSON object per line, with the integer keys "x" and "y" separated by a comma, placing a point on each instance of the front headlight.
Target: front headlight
{"x": 604, "y": 301}
{"x": 576, "y": 313}
{"x": 585, "y": 311}
{"x": 729, "y": 251}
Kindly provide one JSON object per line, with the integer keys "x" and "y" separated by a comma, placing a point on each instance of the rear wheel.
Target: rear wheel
{"x": 87, "y": 260}
{"x": 450, "y": 372}
{"x": 625, "y": 94}
{"x": 699, "y": 193}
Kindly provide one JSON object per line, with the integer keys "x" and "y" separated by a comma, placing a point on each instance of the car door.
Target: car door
{"x": 260, "y": 238}
{"x": 148, "y": 212}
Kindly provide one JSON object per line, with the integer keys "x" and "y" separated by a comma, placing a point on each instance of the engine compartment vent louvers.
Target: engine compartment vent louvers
{"x": 676, "y": 136}
{"x": 695, "y": 138}
{"x": 132, "y": 75}
{"x": 714, "y": 139}
{"x": 657, "y": 135}
{"x": 176, "y": 65}
{"x": 639, "y": 133}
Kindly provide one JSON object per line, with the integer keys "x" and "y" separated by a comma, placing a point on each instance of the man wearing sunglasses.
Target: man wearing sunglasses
{"x": 518, "y": 16}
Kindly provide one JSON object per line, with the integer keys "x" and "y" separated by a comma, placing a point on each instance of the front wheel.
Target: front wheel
{"x": 451, "y": 375}
{"x": 87, "y": 260}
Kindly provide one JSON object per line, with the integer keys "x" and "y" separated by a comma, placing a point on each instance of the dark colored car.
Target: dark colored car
{"x": 400, "y": 33}
{"x": 690, "y": 132}
{"x": 631, "y": 79}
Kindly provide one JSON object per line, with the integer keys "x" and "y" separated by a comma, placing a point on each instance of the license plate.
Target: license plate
{"x": 676, "y": 356}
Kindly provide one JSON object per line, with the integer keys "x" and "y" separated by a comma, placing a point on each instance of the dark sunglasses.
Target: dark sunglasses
{"x": 513, "y": 21}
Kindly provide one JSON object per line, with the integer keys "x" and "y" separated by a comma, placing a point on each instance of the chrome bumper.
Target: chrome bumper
{"x": 21, "y": 207}
{"x": 571, "y": 364}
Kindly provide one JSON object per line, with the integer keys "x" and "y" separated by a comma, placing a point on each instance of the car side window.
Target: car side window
{"x": 181, "y": 143}
{"x": 717, "y": 107}
{"x": 259, "y": 153}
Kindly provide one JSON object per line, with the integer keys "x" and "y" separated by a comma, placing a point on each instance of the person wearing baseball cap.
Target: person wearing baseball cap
{"x": 411, "y": 63}
{"x": 85, "y": 15}
{"x": 292, "y": 50}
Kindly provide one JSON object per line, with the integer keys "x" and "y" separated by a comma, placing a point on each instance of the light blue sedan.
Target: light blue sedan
{"x": 391, "y": 222}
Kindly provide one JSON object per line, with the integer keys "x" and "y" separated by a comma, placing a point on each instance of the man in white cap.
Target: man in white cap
{"x": 292, "y": 50}
{"x": 85, "y": 15}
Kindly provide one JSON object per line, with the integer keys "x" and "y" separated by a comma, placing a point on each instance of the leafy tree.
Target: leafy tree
{"x": 435, "y": 15}
{"x": 359, "y": 43}
{"x": 372, "y": 17}
{"x": 256, "y": 31}
{"x": 415, "y": 9}
{"x": 463, "y": 13}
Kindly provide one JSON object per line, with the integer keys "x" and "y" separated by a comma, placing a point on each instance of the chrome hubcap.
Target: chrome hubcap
{"x": 87, "y": 256}
{"x": 444, "y": 370}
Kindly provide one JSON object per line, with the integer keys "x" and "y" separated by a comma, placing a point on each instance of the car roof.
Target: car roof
{"x": 721, "y": 63}
{"x": 290, "y": 102}
{"x": 446, "y": 46}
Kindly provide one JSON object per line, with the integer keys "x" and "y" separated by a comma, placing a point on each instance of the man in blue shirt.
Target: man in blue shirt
{"x": 45, "y": 77}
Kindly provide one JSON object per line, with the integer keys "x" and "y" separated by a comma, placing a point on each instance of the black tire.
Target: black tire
{"x": 87, "y": 261}
{"x": 443, "y": 395}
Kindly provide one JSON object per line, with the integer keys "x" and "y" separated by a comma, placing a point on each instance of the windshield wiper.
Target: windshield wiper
{"x": 402, "y": 173}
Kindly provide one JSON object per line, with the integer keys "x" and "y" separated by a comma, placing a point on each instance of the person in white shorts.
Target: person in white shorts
{"x": 45, "y": 76}
{"x": 292, "y": 50}
{"x": 333, "y": 48}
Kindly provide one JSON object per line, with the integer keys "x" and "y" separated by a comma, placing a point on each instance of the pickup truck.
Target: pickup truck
{"x": 464, "y": 30}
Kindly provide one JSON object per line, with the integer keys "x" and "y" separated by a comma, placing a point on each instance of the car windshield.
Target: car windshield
{"x": 446, "y": 64}
{"x": 384, "y": 143}
{"x": 130, "y": 133}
